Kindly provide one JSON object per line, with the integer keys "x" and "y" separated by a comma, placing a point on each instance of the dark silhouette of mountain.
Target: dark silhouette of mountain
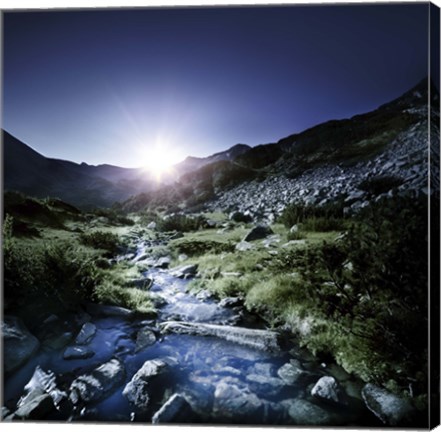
{"x": 195, "y": 180}
{"x": 192, "y": 163}
{"x": 84, "y": 185}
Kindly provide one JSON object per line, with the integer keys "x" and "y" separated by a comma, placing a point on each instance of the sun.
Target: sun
{"x": 160, "y": 159}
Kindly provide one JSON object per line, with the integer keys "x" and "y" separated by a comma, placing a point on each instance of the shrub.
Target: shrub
{"x": 180, "y": 222}
{"x": 379, "y": 185}
{"x": 200, "y": 247}
{"x": 101, "y": 240}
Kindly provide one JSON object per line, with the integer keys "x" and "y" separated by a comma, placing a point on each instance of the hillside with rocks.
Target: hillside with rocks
{"x": 354, "y": 161}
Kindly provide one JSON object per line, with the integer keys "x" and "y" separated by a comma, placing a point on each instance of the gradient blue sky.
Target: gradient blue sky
{"x": 101, "y": 86}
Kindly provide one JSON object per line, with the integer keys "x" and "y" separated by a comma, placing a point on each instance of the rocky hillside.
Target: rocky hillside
{"x": 352, "y": 161}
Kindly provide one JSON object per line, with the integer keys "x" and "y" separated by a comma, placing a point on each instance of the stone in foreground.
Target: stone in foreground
{"x": 96, "y": 385}
{"x": 327, "y": 389}
{"x": 390, "y": 409}
{"x": 19, "y": 344}
{"x": 265, "y": 340}
{"x": 86, "y": 334}
{"x": 175, "y": 410}
{"x": 77, "y": 353}
{"x": 137, "y": 390}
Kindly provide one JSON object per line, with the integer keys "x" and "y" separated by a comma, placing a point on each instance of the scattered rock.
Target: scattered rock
{"x": 175, "y": 410}
{"x": 304, "y": 413}
{"x": 185, "y": 271}
{"x": 293, "y": 373}
{"x": 327, "y": 389}
{"x": 258, "y": 232}
{"x": 36, "y": 408}
{"x": 144, "y": 283}
{"x": 389, "y": 408}
{"x": 151, "y": 225}
{"x": 238, "y": 216}
{"x": 18, "y": 343}
{"x": 42, "y": 382}
{"x": 244, "y": 246}
{"x": 265, "y": 340}
{"x": 96, "y": 385}
{"x": 136, "y": 391}
{"x": 78, "y": 353}
{"x": 163, "y": 262}
{"x": 231, "y": 302}
{"x": 86, "y": 334}
{"x": 236, "y": 403}
{"x": 182, "y": 257}
{"x": 57, "y": 341}
{"x": 104, "y": 310}
{"x": 144, "y": 339}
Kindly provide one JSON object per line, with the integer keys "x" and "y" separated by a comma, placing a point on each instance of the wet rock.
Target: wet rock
{"x": 78, "y": 353}
{"x": 244, "y": 246}
{"x": 185, "y": 271}
{"x": 265, "y": 340}
{"x": 226, "y": 370}
{"x": 57, "y": 341}
{"x": 144, "y": 339}
{"x": 231, "y": 302}
{"x": 18, "y": 343}
{"x": 175, "y": 410}
{"x": 266, "y": 369}
{"x": 327, "y": 389}
{"x": 98, "y": 384}
{"x": 42, "y": 382}
{"x": 137, "y": 390}
{"x": 144, "y": 283}
{"x": 304, "y": 413}
{"x": 267, "y": 385}
{"x": 86, "y": 334}
{"x": 389, "y": 408}
{"x": 235, "y": 403}
{"x": 293, "y": 373}
{"x": 109, "y": 311}
{"x": 36, "y": 408}
{"x": 258, "y": 232}
{"x": 162, "y": 262}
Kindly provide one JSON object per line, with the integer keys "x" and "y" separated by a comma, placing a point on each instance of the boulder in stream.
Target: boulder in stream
{"x": 98, "y": 384}
{"x": 175, "y": 410}
{"x": 389, "y": 408}
{"x": 233, "y": 402}
{"x": 292, "y": 373}
{"x": 185, "y": 271}
{"x": 304, "y": 413}
{"x": 144, "y": 338}
{"x": 265, "y": 340}
{"x": 86, "y": 334}
{"x": 327, "y": 389}
{"x": 77, "y": 353}
{"x": 19, "y": 344}
{"x": 137, "y": 390}
{"x": 109, "y": 311}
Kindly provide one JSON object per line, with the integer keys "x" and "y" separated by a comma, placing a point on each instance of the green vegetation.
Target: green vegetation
{"x": 180, "y": 222}
{"x": 106, "y": 241}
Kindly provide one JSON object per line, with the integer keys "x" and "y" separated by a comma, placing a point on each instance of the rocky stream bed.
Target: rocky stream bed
{"x": 199, "y": 361}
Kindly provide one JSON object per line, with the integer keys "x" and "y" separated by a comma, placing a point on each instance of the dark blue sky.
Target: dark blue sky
{"x": 99, "y": 86}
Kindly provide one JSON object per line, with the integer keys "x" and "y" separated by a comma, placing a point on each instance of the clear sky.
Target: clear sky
{"x": 103, "y": 86}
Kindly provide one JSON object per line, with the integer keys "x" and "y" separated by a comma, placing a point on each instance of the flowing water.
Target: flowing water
{"x": 198, "y": 368}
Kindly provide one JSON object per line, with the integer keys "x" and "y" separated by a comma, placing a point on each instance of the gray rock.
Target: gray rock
{"x": 175, "y": 410}
{"x": 144, "y": 339}
{"x": 258, "y": 232}
{"x": 185, "y": 271}
{"x": 163, "y": 262}
{"x": 231, "y": 302}
{"x": 78, "y": 353}
{"x": 96, "y": 385}
{"x": 144, "y": 283}
{"x": 265, "y": 340}
{"x": 57, "y": 341}
{"x": 104, "y": 310}
{"x": 86, "y": 334}
{"x": 327, "y": 389}
{"x": 389, "y": 408}
{"x": 238, "y": 216}
{"x": 292, "y": 373}
{"x": 236, "y": 403}
{"x": 182, "y": 257}
{"x": 244, "y": 246}
{"x": 151, "y": 225}
{"x": 40, "y": 383}
{"x": 137, "y": 390}
{"x": 304, "y": 413}
{"x": 36, "y": 408}
{"x": 18, "y": 343}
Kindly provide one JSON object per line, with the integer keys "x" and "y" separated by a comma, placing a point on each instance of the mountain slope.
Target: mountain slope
{"x": 87, "y": 186}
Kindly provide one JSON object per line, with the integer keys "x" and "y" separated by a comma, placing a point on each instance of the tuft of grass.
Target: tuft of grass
{"x": 106, "y": 241}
